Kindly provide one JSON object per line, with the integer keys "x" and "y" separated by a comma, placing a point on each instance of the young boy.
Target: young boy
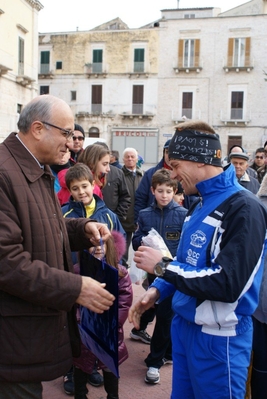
{"x": 167, "y": 217}
{"x": 83, "y": 203}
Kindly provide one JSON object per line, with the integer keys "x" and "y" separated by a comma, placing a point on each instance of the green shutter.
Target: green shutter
{"x": 97, "y": 56}
{"x": 139, "y": 55}
{"x": 45, "y": 57}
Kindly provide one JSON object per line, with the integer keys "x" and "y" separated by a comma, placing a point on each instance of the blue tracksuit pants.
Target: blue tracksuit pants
{"x": 208, "y": 366}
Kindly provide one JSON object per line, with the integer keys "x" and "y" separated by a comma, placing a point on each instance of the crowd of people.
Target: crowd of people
{"x": 60, "y": 202}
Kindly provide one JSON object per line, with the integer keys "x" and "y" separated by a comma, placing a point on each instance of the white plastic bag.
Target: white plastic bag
{"x": 154, "y": 240}
{"x": 136, "y": 275}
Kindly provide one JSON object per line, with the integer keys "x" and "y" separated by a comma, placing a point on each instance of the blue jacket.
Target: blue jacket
{"x": 217, "y": 275}
{"x": 168, "y": 222}
{"x": 102, "y": 213}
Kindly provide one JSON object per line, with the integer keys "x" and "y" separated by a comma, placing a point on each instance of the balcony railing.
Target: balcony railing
{"x": 236, "y": 113}
{"x": 97, "y": 67}
{"x": 96, "y": 108}
{"x": 44, "y": 69}
{"x": 137, "y": 109}
{"x": 139, "y": 67}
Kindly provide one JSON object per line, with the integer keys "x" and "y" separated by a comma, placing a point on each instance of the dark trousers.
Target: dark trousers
{"x": 23, "y": 390}
{"x": 80, "y": 381}
{"x": 161, "y": 345}
{"x": 259, "y": 362}
{"x": 125, "y": 257}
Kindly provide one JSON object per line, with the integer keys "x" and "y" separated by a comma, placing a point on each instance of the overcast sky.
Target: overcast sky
{"x": 67, "y": 15}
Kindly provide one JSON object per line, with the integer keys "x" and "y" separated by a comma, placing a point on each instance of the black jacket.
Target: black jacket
{"x": 116, "y": 194}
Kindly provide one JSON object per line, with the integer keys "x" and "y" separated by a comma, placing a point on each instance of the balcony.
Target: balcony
{"x": 196, "y": 69}
{"x": 45, "y": 72}
{"x": 4, "y": 69}
{"x": 95, "y": 70}
{"x": 236, "y": 117}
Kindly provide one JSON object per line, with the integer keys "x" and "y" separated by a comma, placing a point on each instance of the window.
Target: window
{"x": 45, "y": 62}
{"x": 237, "y": 104}
{"x": 59, "y": 65}
{"x": 188, "y": 53}
{"x": 187, "y": 109}
{"x": 138, "y": 99}
{"x": 189, "y": 16}
{"x": 94, "y": 132}
{"x": 44, "y": 89}
{"x": 239, "y": 52}
{"x": 73, "y": 95}
{"x": 139, "y": 60}
{"x": 97, "y": 61}
{"x": 96, "y": 99}
{"x": 21, "y": 56}
{"x": 19, "y": 108}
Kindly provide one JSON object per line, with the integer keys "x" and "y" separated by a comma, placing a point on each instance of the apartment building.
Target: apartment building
{"x": 18, "y": 59}
{"x": 132, "y": 86}
{"x": 108, "y": 76}
{"x": 211, "y": 67}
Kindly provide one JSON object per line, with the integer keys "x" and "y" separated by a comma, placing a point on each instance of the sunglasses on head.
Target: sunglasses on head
{"x": 80, "y": 138}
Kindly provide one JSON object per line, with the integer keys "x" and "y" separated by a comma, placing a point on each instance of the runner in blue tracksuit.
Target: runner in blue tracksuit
{"x": 216, "y": 277}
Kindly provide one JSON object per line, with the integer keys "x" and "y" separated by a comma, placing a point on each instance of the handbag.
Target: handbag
{"x": 99, "y": 332}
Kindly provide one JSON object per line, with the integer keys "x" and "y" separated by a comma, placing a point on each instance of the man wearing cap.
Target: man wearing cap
{"x": 240, "y": 162}
{"x": 216, "y": 276}
{"x": 77, "y": 144}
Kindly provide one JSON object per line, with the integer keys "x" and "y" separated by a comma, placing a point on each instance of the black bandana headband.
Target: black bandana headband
{"x": 195, "y": 146}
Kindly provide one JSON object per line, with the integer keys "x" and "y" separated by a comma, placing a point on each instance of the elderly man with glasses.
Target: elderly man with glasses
{"x": 38, "y": 290}
{"x": 76, "y": 146}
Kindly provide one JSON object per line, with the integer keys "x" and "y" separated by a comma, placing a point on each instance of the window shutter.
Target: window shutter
{"x": 139, "y": 55}
{"x": 45, "y": 57}
{"x": 247, "y": 51}
{"x": 180, "y": 53}
{"x": 197, "y": 48}
{"x": 230, "y": 52}
{"x": 97, "y": 55}
{"x": 96, "y": 94}
{"x": 138, "y": 94}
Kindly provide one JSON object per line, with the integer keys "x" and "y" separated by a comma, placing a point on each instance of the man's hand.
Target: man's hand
{"x": 95, "y": 231}
{"x": 144, "y": 303}
{"x": 94, "y": 296}
{"x": 146, "y": 258}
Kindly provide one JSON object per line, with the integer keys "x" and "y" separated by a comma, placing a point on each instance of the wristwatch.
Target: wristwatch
{"x": 161, "y": 266}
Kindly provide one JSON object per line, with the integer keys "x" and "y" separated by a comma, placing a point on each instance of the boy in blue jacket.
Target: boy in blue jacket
{"x": 167, "y": 218}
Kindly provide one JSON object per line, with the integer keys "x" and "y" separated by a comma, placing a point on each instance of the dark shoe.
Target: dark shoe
{"x": 152, "y": 376}
{"x": 166, "y": 361}
{"x": 80, "y": 381}
{"x": 140, "y": 335}
{"x": 95, "y": 379}
{"x": 68, "y": 383}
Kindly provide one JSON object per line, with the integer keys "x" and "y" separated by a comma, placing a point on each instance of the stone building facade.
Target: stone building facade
{"x": 131, "y": 86}
{"x": 18, "y": 59}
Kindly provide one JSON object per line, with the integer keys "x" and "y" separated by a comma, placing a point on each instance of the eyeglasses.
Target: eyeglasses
{"x": 259, "y": 157}
{"x": 80, "y": 138}
{"x": 66, "y": 133}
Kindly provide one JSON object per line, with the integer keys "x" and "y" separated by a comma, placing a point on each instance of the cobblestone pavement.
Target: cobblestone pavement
{"x": 132, "y": 373}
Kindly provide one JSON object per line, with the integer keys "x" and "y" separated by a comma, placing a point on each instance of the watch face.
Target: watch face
{"x": 158, "y": 270}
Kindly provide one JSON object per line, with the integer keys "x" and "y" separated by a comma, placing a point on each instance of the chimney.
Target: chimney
{"x": 178, "y": 1}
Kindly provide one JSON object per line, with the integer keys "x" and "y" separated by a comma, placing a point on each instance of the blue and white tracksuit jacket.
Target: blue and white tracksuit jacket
{"x": 216, "y": 277}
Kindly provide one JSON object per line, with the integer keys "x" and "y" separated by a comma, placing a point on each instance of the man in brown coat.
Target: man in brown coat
{"x": 38, "y": 331}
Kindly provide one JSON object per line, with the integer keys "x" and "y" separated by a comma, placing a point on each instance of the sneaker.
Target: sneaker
{"x": 140, "y": 335}
{"x": 95, "y": 379}
{"x": 152, "y": 376}
{"x": 167, "y": 361}
{"x": 68, "y": 383}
